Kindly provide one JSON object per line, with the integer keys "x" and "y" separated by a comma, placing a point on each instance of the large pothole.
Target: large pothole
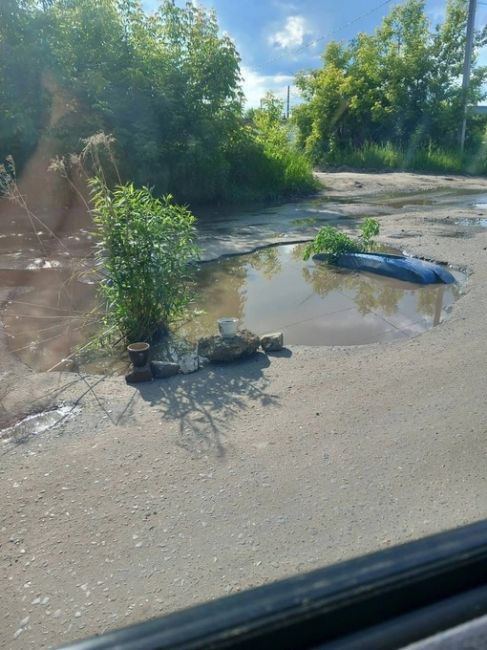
{"x": 274, "y": 289}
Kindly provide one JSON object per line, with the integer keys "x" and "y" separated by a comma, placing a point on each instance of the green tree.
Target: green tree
{"x": 398, "y": 85}
{"x": 23, "y": 101}
{"x": 167, "y": 86}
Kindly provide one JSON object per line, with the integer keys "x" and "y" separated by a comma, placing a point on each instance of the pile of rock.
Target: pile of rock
{"x": 231, "y": 348}
{"x": 211, "y": 349}
{"x": 164, "y": 369}
{"x": 138, "y": 374}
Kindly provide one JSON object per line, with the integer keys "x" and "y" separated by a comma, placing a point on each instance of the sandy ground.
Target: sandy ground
{"x": 156, "y": 497}
{"x": 361, "y": 184}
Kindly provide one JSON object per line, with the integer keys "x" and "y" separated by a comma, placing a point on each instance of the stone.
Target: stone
{"x": 272, "y": 342}
{"x": 189, "y": 363}
{"x": 69, "y": 365}
{"x": 136, "y": 375}
{"x": 219, "y": 348}
{"x": 164, "y": 369}
{"x": 185, "y": 354}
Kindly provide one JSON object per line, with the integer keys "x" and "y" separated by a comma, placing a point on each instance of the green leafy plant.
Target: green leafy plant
{"x": 332, "y": 241}
{"x": 264, "y": 160}
{"x": 144, "y": 251}
{"x": 369, "y": 228}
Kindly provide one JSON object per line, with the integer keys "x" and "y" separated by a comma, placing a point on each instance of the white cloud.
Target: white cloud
{"x": 256, "y": 85}
{"x": 292, "y": 35}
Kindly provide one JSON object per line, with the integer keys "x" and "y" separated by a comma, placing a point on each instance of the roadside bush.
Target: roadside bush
{"x": 396, "y": 89}
{"x": 379, "y": 157}
{"x": 145, "y": 246}
{"x": 167, "y": 86}
{"x": 265, "y": 160}
{"x": 259, "y": 173}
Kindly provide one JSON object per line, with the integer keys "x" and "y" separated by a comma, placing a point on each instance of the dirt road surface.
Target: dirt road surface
{"x": 152, "y": 498}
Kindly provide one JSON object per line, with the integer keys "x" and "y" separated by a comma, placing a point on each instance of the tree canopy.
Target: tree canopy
{"x": 167, "y": 86}
{"x": 399, "y": 85}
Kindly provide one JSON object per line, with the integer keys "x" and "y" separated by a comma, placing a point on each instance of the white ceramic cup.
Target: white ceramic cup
{"x": 228, "y": 326}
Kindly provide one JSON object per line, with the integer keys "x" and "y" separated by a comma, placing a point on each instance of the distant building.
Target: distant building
{"x": 482, "y": 110}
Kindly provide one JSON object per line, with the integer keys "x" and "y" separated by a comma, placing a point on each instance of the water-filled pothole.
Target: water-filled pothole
{"x": 430, "y": 198}
{"x": 273, "y": 289}
{"x": 464, "y": 228}
{"x": 270, "y": 289}
{"x": 459, "y": 227}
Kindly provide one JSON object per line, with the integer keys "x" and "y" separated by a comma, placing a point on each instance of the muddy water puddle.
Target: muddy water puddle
{"x": 435, "y": 198}
{"x": 459, "y": 228}
{"x": 47, "y": 307}
{"x": 472, "y": 222}
{"x": 274, "y": 289}
{"x": 47, "y": 315}
{"x": 237, "y": 229}
{"x": 271, "y": 289}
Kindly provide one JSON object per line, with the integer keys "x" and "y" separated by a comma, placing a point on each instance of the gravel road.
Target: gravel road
{"x": 149, "y": 499}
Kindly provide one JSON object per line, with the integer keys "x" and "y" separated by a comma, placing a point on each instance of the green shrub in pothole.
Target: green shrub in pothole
{"x": 145, "y": 246}
{"x": 334, "y": 242}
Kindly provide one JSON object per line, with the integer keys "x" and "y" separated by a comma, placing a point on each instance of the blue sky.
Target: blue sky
{"x": 273, "y": 36}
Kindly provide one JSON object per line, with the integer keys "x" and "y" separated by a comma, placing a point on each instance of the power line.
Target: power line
{"x": 328, "y": 35}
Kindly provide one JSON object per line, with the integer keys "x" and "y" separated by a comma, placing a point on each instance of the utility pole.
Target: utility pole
{"x": 467, "y": 64}
{"x": 288, "y": 100}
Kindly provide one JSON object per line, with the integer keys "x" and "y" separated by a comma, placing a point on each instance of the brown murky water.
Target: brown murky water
{"x": 428, "y": 198}
{"x": 48, "y": 317}
{"x": 314, "y": 304}
{"x": 47, "y": 304}
{"x": 271, "y": 289}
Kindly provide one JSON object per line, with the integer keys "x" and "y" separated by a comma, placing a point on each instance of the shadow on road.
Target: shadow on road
{"x": 206, "y": 402}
